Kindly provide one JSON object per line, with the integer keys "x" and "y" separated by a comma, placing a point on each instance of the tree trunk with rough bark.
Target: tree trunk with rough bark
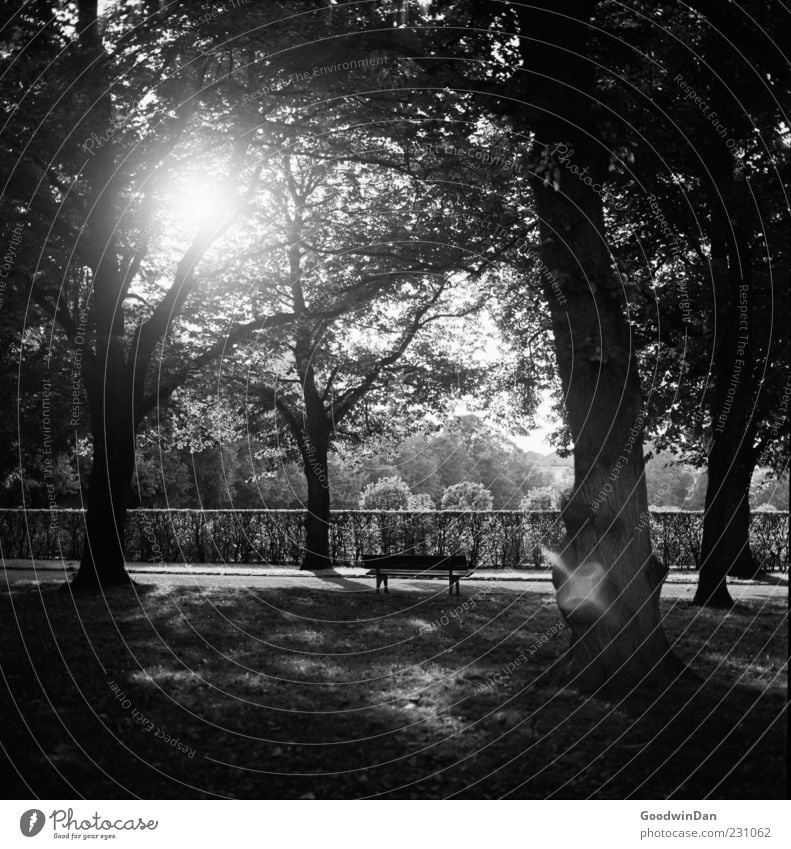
{"x": 743, "y": 338}
{"x": 317, "y": 519}
{"x": 313, "y": 438}
{"x": 103, "y": 562}
{"x": 725, "y": 548}
{"x": 607, "y": 577}
{"x": 109, "y": 385}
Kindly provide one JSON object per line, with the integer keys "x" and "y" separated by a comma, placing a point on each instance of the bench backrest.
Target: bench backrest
{"x": 415, "y": 562}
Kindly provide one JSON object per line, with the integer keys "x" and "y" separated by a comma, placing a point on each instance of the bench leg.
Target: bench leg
{"x": 450, "y": 584}
{"x": 378, "y": 581}
{"x": 385, "y": 580}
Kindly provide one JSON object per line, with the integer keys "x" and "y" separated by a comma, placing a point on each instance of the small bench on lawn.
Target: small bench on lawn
{"x": 386, "y": 566}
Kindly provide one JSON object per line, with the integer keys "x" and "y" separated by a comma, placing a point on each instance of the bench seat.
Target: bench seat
{"x": 420, "y": 566}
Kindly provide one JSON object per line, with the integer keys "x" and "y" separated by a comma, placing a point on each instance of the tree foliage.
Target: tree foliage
{"x": 467, "y": 495}
{"x": 390, "y": 493}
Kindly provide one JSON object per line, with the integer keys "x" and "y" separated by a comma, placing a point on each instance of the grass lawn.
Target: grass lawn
{"x": 292, "y": 692}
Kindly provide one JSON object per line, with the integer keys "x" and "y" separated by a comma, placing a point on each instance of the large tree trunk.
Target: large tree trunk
{"x": 317, "y": 519}
{"x": 607, "y": 577}
{"x": 314, "y": 433}
{"x": 103, "y": 562}
{"x": 725, "y": 548}
{"x": 744, "y": 336}
{"x": 114, "y": 429}
{"x": 109, "y": 384}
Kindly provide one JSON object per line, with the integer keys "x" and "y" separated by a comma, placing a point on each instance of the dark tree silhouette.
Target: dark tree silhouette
{"x": 607, "y": 576}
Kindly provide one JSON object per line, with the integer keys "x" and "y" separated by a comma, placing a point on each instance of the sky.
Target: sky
{"x": 538, "y": 441}
{"x": 538, "y": 438}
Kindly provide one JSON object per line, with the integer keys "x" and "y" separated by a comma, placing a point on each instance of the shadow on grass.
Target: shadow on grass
{"x": 335, "y": 578}
{"x": 173, "y": 692}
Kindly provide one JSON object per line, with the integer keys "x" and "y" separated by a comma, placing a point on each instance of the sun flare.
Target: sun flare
{"x": 198, "y": 202}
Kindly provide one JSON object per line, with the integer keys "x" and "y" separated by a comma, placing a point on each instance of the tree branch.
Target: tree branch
{"x": 351, "y": 396}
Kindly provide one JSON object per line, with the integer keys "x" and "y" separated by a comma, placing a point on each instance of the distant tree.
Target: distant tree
{"x": 432, "y": 462}
{"x": 541, "y": 498}
{"x": 347, "y": 477}
{"x": 670, "y": 481}
{"x": 421, "y": 502}
{"x": 467, "y": 495}
{"x": 386, "y": 494}
{"x": 769, "y": 490}
{"x": 467, "y": 448}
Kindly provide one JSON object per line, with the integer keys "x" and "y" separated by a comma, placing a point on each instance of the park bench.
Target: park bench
{"x": 417, "y": 566}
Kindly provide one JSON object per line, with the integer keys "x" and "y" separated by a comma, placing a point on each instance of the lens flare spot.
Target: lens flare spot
{"x": 580, "y": 590}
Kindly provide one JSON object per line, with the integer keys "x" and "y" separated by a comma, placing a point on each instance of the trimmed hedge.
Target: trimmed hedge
{"x": 502, "y": 539}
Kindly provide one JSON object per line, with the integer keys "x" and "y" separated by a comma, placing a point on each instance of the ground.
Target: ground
{"x": 304, "y": 690}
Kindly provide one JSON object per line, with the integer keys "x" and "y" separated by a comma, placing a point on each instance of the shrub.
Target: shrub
{"x": 467, "y": 495}
{"x": 386, "y": 494}
{"x": 421, "y": 502}
{"x": 541, "y": 498}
